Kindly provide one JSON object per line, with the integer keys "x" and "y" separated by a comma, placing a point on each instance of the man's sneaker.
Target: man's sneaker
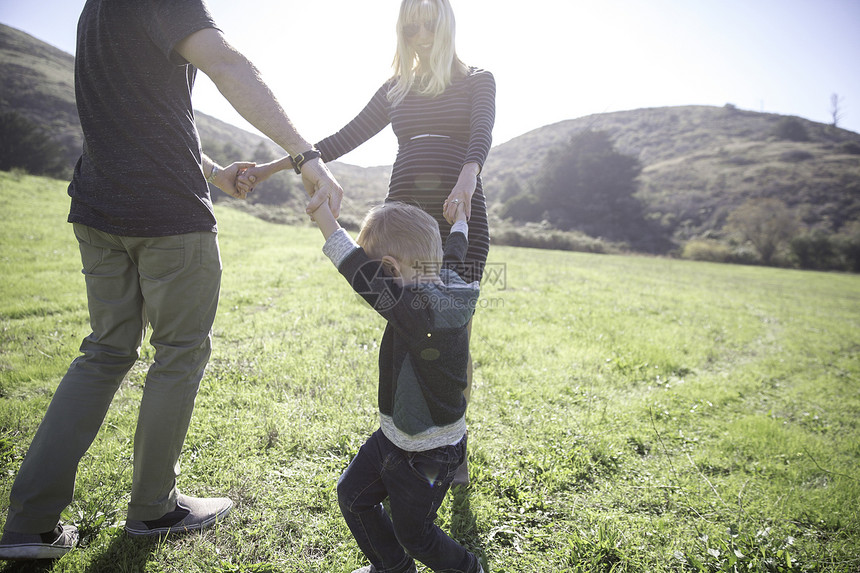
{"x": 51, "y": 545}
{"x": 191, "y": 514}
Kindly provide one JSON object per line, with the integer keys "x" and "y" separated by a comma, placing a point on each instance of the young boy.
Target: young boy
{"x": 398, "y": 266}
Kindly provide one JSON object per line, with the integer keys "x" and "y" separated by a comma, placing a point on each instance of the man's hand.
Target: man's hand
{"x": 226, "y": 179}
{"x": 321, "y": 186}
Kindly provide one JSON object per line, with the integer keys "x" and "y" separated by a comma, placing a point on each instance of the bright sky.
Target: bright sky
{"x": 553, "y": 60}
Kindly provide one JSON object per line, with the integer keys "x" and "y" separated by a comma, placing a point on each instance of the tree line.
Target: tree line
{"x": 588, "y": 186}
{"x": 25, "y": 145}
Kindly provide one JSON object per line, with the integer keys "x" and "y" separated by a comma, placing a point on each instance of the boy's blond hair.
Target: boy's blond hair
{"x": 404, "y": 232}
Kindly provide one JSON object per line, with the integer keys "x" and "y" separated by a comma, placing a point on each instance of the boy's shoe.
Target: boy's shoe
{"x": 51, "y": 545}
{"x": 191, "y": 514}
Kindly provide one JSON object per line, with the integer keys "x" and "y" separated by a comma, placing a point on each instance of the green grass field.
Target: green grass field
{"x": 630, "y": 414}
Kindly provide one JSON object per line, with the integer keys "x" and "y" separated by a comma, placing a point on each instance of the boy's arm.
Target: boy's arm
{"x": 366, "y": 276}
{"x": 325, "y": 221}
{"x": 339, "y": 246}
{"x": 457, "y": 242}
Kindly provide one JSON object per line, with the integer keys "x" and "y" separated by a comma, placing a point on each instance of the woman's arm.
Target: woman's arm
{"x": 370, "y": 121}
{"x": 482, "y": 119}
{"x": 240, "y": 83}
{"x": 253, "y": 176}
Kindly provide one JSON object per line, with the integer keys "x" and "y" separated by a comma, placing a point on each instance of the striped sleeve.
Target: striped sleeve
{"x": 483, "y": 117}
{"x": 370, "y": 121}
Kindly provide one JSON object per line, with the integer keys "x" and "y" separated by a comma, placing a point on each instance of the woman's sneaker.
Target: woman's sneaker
{"x": 51, "y": 545}
{"x": 191, "y": 514}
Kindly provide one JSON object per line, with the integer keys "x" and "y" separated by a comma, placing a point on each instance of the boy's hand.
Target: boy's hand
{"x": 456, "y": 210}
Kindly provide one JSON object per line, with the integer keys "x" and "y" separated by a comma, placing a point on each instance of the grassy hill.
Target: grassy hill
{"x": 699, "y": 163}
{"x": 630, "y": 414}
{"x": 38, "y": 82}
{"x": 702, "y": 162}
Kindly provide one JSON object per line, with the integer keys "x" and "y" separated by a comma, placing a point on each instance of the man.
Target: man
{"x": 143, "y": 218}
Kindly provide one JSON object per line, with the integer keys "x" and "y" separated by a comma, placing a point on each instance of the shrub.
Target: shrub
{"x": 850, "y": 147}
{"x": 745, "y": 254}
{"x": 792, "y": 129}
{"x": 523, "y": 207}
{"x": 766, "y": 223}
{"x": 847, "y": 246}
{"x": 24, "y": 145}
{"x": 796, "y": 156}
{"x": 541, "y": 236}
{"x": 813, "y": 250}
{"x": 706, "y": 250}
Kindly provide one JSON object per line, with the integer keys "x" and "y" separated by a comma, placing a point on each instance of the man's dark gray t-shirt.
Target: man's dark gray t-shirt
{"x": 140, "y": 172}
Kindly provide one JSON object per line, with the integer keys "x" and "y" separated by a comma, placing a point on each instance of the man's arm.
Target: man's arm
{"x": 240, "y": 83}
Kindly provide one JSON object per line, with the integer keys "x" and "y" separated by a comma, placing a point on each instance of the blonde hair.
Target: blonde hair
{"x": 404, "y": 232}
{"x": 438, "y": 73}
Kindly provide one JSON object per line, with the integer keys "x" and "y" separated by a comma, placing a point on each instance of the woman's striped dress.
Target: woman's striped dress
{"x": 436, "y": 137}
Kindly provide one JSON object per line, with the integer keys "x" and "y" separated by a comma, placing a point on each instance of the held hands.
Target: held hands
{"x": 227, "y": 179}
{"x": 324, "y": 218}
{"x": 319, "y": 182}
{"x": 248, "y": 178}
{"x": 322, "y": 187}
{"x": 457, "y": 210}
{"x": 461, "y": 195}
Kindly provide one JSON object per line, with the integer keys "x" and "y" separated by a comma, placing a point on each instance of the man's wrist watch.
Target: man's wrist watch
{"x": 303, "y": 158}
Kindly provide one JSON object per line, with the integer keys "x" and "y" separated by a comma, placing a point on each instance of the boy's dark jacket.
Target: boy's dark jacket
{"x": 425, "y": 346}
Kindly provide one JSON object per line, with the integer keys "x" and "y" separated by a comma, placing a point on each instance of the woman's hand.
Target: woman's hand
{"x": 461, "y": 194}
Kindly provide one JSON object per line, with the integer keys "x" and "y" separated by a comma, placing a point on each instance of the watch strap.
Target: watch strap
{"x": 303, "y": 158}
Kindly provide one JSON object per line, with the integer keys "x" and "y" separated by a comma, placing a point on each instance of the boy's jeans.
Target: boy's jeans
{"x": 415, "y": 484}
{"x": 171, "y": 283}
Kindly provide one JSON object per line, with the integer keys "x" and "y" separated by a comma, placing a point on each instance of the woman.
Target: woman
{"x": 442, "y": 112}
